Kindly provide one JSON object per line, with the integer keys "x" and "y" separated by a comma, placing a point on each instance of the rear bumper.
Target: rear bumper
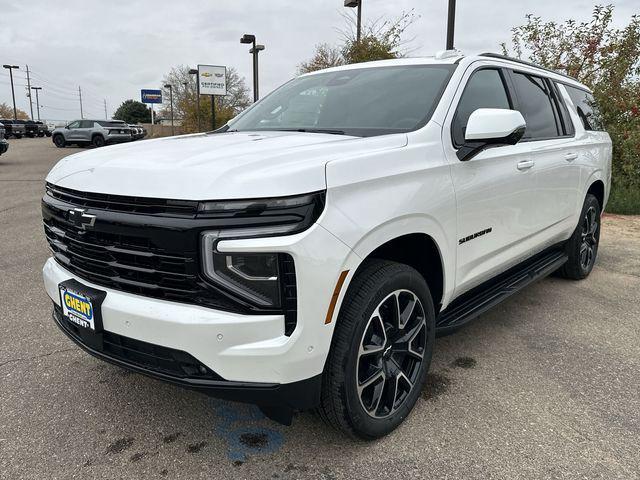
{"x": 117, "y": 138}
{"x": 301, "y": 395}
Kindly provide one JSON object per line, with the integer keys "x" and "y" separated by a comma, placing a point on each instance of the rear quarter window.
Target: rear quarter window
{"x": 587, "y": 108}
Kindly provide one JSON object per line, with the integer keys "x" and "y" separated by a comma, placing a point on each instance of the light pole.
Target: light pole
{"x": 451, "y": 22}
{"x": 37, "y": 100}
{"x": 170, "y": 87}
{"x": 251, "y": 39}
{"x": 13, "y": 94}
{"x": 194, "y": 71}
{"x": 354, "y": 4}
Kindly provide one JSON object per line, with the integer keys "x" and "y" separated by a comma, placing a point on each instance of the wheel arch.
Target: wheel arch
{"x": 597, "y": 189}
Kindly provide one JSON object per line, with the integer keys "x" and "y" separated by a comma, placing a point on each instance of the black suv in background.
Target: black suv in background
{"x": 13, "y": 128}
{"x": 43, "y": 129}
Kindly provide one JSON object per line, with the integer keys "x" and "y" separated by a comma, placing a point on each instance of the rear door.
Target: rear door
{"x": 550, "y": 138}
{"x": 495, "y": 190}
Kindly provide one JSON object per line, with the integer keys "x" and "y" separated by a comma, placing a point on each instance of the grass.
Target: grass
{"x": 624, "y": 200}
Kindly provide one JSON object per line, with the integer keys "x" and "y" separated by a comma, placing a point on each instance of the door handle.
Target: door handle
{"x": 525, "y": 164}
{"x": 570, "y": 157}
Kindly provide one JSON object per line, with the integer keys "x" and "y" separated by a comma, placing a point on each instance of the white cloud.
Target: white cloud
{"x": 113, "y": 49}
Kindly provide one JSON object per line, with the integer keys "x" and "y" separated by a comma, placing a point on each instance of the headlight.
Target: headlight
{"x": 256, "y": 277}
{"x": 253, "y": 276}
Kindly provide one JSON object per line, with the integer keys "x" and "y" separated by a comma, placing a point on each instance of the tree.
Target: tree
{"x": 134, "y": 112}
{"x": 6, "y": 111}
{"x": 185, "y": 99}
{"x": 607, "y": 60}
{"x": 380, "y": 40}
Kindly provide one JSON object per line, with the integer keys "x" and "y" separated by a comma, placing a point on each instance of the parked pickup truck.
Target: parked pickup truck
{"x": 306, "y": 254}
{"x": 13, "y": 128}
{"x": 4, "y": 145}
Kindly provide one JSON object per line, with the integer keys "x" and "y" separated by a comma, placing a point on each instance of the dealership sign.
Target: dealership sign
{"x": 151, "y": 96}
{"x": 212, "y": 80}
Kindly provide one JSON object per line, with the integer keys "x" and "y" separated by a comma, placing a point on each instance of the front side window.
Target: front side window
{"x": 535, "y": 104}
{"x": 359, "y": 102}
{"x": 586, "y": 107}
{"x": 75, "y": 124}
{"x": 485, "y": 89}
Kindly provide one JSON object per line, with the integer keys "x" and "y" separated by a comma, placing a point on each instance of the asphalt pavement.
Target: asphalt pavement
{"x": 546, "y": 385}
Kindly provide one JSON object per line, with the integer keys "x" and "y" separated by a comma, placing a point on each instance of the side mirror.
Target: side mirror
{"x": 491, "y": 127}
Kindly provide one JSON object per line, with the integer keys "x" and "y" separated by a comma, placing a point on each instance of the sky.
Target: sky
{"x": 113, "y": 49}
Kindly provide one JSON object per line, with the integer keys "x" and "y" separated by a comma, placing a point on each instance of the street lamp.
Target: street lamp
{"x": 354, "y": 4}
{"x": 251, "y": 39}
{"x": 13, "y": 94}
{"x": 37, "y": 100}
{"x": 194, "y": 71}
{"x": 170, "y": 87}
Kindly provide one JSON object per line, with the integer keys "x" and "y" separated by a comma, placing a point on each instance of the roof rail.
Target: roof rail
{"x": 524, "y": 62}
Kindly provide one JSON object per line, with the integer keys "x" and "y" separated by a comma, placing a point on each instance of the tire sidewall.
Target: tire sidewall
{"x": 98, "y": 141}
{"x": 590, "y": 201}
{"x": 363, "y": 423}
{"x": 58, "y": 141}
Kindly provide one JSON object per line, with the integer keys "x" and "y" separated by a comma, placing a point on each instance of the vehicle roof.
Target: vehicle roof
{"x": 452, "y": 57}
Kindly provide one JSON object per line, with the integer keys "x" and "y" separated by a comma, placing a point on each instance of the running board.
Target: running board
{"x": 482, "y": 298}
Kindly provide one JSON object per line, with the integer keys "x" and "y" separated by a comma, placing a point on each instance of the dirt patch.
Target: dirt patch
{"x": 465, "y": 362}
{"x": 254, "y": 440}
{"x": 196, "y": 447}
{"x": 172, "y": 437}
{"x": 120, "y": 445}
{"x": 436, "y": 385}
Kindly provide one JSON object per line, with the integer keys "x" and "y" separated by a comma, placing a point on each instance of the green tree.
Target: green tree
{"x": 607, "y": 60}
{"x": 380, "y": 40}
{"x": 134, "y": 112}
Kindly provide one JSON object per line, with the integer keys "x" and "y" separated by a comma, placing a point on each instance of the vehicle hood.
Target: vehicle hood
{"x": 214, "y": 166}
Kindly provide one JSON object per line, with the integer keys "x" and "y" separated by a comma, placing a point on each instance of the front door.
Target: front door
{"x": 495, "y": 190}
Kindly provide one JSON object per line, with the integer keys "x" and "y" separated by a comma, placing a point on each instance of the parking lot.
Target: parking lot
{"x": 544, "y": 386}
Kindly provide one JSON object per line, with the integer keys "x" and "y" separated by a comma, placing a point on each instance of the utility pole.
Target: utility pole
{"x": 170, "y": 87}
{"x": 37, "y": 100}
{"x": 13, "y": 93}
{"x": 451, "y": 22}
{"x": 213, "y": 112}
{"x": 29, "y": 92}
{"x": 80, "y": 93}
{"x": 105, "y": 109}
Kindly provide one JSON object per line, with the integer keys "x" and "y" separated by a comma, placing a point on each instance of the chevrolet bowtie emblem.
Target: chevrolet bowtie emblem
{"x": 80, "y": 219}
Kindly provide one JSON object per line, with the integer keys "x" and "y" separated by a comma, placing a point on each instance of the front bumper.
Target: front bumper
{"x": 241, "y": 349}
{"x": 4, "y": 146}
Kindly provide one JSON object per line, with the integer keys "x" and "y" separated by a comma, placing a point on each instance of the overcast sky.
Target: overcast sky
{"x": 113, "y": 49}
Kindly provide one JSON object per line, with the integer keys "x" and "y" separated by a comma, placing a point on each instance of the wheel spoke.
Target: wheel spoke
{"x": 375, "y": 331}
{"x": 407, "y": 311}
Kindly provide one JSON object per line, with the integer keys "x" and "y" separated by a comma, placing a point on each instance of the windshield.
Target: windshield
{"x": 361, "y": 102}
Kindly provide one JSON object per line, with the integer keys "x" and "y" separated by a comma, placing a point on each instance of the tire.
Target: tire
{"x": 18, "y": 135}
{"x": 582, "y": 247}
{"x": 58, "y": 141}
{"x": 368, "y": 395}
{"x": 98, "y": 141}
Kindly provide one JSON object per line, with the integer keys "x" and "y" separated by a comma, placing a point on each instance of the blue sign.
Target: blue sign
{"x": 151, "y": 96}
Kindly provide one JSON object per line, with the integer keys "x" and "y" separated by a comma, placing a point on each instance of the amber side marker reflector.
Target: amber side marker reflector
{"x": 336, "y": 294}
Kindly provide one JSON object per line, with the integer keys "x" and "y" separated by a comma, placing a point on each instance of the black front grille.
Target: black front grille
{"x": 158, "y": 359}
{"x": 150, "y": 254}
{"x": 120, "y": 203}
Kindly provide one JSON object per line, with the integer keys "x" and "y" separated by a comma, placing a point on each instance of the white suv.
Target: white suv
{"x": 305, "y": 255}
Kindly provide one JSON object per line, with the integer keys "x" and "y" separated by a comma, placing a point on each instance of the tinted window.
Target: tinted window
{"x": 586, "y": 107}
{"x": 485, "y": 89}
{"x": 534, "y": 102}
{"x": 567, "y": 123}
{"x": 86, "y": 124}
{"x": 361, "y": 102}
{"x": 105, "y": 123}
{"x": 75, "y": 124}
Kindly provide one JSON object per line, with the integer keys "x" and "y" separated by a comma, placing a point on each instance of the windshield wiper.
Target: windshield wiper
{"x": 312, "y": 130}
